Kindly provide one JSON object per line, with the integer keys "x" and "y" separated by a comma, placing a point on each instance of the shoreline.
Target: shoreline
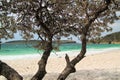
{"x": 56, "y": 54}
{"x": 100, "y": 63}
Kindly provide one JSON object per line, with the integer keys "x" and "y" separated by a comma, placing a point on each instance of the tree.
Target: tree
{"x": 92, "y": 18}
{"x": 51, "y": 19}
{"x": 41, "y": 17}
{"x": 0, "y": 44}
{"x": 9, "y": 72}
{"x": 7, "y": 29}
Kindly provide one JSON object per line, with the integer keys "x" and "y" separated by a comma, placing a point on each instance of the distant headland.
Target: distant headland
{"x": 37, "y": 41}
{"x": 113, "y": 38}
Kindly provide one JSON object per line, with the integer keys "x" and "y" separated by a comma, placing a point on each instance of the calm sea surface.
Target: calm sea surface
{"x": 21, "y": 49}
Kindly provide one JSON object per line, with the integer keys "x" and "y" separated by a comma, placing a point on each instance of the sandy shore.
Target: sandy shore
{"x": 102, "y": 66}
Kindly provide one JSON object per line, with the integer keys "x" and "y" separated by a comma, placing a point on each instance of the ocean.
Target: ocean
{"x": 28, "y": 49}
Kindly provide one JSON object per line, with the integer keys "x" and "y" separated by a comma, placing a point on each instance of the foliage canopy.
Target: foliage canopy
{"x": 53, "y": 18}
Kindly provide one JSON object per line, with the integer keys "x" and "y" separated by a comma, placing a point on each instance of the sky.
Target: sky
{"x": 115, "y": 26}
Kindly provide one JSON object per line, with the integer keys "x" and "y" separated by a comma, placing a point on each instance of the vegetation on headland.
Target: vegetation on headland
{"x": 38, "y": 41}
{"x": 113, "y": 38}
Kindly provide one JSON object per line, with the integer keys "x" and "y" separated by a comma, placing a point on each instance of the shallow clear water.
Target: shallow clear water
{"x": 20, "y": 49}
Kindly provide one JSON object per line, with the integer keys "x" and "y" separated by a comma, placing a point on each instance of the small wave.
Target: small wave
{"x": 12, "y": 57}
{"x": 57, "y": 54}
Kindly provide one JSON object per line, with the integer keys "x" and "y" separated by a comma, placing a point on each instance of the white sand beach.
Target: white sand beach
{"x": 102, "y": 66}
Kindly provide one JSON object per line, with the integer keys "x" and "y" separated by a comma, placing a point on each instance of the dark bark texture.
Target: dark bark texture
{"x": 70, "y": 67}
{"x": 42, "y": 63}
{"x": 0, "y": 43}
{"x": 9, "y": 72}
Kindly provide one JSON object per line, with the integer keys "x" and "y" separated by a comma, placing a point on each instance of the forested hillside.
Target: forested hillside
{"x": 114, "y": 37}
{"x": 110, "y": 38}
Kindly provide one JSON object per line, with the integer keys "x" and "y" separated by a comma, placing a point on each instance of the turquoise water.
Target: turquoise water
{"x": 20, "y": 49}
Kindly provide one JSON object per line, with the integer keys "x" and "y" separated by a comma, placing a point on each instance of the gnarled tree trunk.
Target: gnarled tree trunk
{"x": 9, "y": 72}
{"x": 0, "y": 44}
{"x": 42, "y": 63}
{"x": 70, "y": 67}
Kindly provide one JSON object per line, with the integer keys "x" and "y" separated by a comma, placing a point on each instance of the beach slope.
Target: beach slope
{"x": 102, "y": 66}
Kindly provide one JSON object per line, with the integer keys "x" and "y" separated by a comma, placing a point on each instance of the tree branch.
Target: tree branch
{"x": 80, "y": 56}
{"x": 9, "y": 72}
{"x": 67, "y": 59}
